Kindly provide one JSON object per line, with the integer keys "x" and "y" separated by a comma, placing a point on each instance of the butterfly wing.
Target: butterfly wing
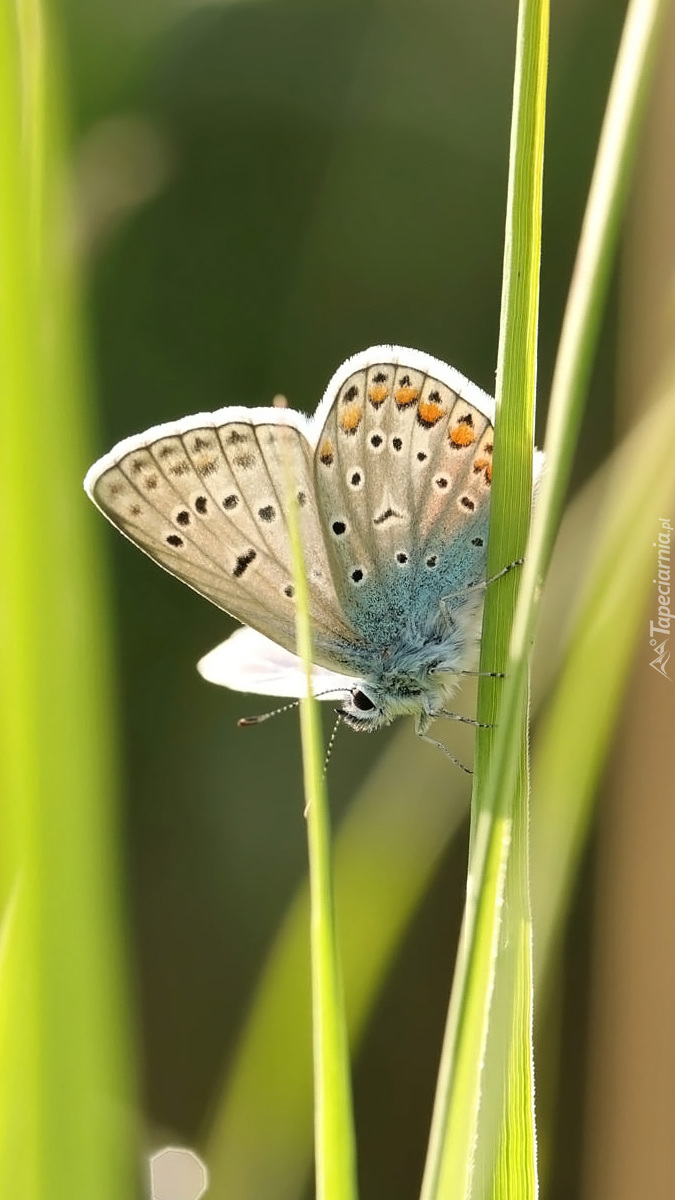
{"x": 403, "y": 467}
{"x": 249, "y": 662}
{"x": 392, "y": 478}
{"x": 206, "y": 498}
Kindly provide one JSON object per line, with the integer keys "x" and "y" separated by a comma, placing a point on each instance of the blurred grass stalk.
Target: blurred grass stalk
{"x": 499, "y": 810}
{"x": 574, "y": 735}
{"x": 334, "y": 1148}
{"x": 65, "y": 1082}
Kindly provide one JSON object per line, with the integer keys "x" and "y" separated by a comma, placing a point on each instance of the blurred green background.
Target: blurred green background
{"x": 263, "y": 189}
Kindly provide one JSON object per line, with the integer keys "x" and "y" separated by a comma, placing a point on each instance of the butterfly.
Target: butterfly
{"x": 392, "y": 480}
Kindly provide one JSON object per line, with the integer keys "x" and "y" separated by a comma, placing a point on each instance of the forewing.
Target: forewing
{"x": 206, "y": 499}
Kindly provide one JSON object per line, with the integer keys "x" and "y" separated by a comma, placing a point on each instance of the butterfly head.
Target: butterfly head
{"x": 374, "y": 703}
{"x": 362, "y": 710}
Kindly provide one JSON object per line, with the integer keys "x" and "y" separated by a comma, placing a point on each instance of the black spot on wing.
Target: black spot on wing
{"x": 389, "y": 514}
{"x": 243, "y": 562}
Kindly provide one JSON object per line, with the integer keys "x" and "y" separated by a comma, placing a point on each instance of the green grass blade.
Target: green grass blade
{"x": 335, "y": 1151}
{"x": 513, "y": 1170}
{"x": 64, "y": 1086}
{"x": 454, "y": 1125}
{"x": 611, "y": 617}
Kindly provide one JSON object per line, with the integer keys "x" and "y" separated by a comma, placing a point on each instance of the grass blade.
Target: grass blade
{"x": 584, "y": 706}
{"x": 65, "y": 1085}
{"x": 451, "y": 1147}
{"x": 335, "y": 1152}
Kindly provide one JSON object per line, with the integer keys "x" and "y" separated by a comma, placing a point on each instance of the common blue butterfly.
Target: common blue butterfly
{"x": 392, "y": 477}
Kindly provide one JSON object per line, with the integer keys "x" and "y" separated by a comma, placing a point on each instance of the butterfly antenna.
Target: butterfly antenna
{"x": 244, "y": 722}
{"x": 331, "y": 743}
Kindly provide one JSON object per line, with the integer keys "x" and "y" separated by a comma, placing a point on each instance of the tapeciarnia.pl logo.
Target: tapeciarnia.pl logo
{"x": 662, "y": 626}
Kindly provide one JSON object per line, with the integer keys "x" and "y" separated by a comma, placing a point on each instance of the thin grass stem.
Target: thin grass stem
{"x": 335, "y": 1153}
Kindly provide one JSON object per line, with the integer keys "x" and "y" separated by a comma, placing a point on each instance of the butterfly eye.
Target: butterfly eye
{"x": 362, "y": 701}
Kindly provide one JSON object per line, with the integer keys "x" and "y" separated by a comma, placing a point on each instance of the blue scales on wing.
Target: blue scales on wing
{"x": 402, "y": 472}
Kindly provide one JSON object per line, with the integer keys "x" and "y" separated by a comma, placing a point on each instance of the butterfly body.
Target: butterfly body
{"x": 391, "y": 478}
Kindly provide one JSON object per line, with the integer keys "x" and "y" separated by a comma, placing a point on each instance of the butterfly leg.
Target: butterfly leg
{"x": 484, "y": 674}
{"x": 517, "y": 562}
{"x": 422, "y": 723}
{"x": 483, "y": 583}
{"x": 466, "y": 720}
{"x": 446, "y": 752}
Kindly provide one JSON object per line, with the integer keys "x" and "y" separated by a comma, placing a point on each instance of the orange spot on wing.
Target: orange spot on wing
{"x": 429, "y": 412}
{"x": 377, "y": 394}
{"x": 406, "y": 395}
{"x": 326, "y": 452}
{"x": 350, "y": 418}
{"x": 483, "y": 464}
{"x": 461, "y": 435}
